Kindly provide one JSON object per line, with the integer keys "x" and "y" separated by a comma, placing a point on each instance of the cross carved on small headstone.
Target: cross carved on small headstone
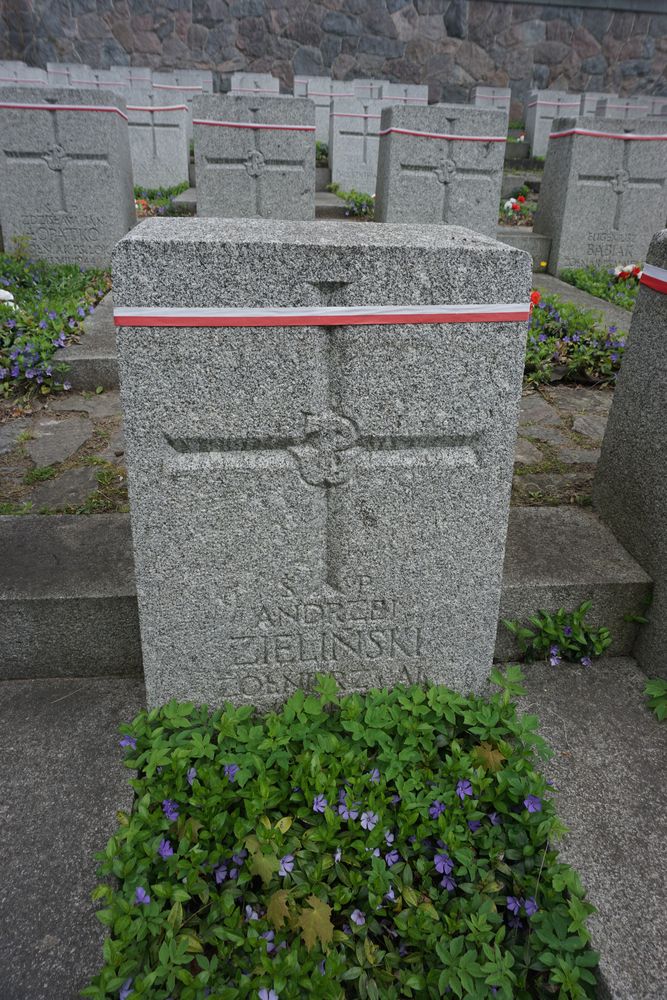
{"x": 621, "y": 183}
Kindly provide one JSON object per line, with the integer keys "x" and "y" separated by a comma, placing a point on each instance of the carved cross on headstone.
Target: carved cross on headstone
{"x": 364, "y": 131}
{"x": 255, "y": 163}
{"x": 152, "y": 124}
{"x": 56, "y": 158}
{"x": 621, "y": 183}
{"x": 446, "y": 172}
{"x": 329, "y": 453}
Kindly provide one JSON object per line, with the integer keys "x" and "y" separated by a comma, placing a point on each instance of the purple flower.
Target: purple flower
{"x": 463, "y": 788}
{"x": 239, "y": 858}
{"x": 514, "y": 905}
{"x": 346, "y": 811}
{"x": 251, "y": 914}
{"x": 436, "y": 809}
{"x": 531, "y": 906}
{"x": 389, "y": 838}
{"x": 474, "y": 824}
{"x": 322, "y": 967}
{"x": 542, "y": 337}
{"x": 586, "y": 661}
{"x": 554, "y": 656}
{"x": 448, "y": 883}
{"x": 369, "y": 820}
{"x": 495, "y": 819}
{"x": 4, "y": 372}
{"x": 286, "y": 865}
{"x": 129, "y": 741}
{"x": 338, "y": 854}
{"x": 395, "y": 799}
{"x": 67, "y": 386}
{"x": 125, "y": 990}
{"x": 358, "y": 918}
{"x": 533, "y": 804}
{"x": 42, "y": 324}
{"x": 71, "y": 323}
{"x": 91, "y": 310}
{"x": 319, "y": 804}
{"x": 390, "y": 895}
{"x": 374, "y": 775}
{"x": 268, "y": 937}
{"x": 515, "y": 923}
{"x": 265, "y": 994}
{"x": 443, "y": 864}
{"x": 392, "y": 857}
{"x": 567, "y": 631}
{"x": 165, "y": 850}
{"x": 231, "y": 770}
{"x": 52, "y": 315}
{"x": 221, "y": 874}
{"x": 141, "y": 896}
{"x": 81, "y": 312}
{"x": 170, "y": 809}
{"x": 60, "y": 340}
{"x": 191, "y": 775}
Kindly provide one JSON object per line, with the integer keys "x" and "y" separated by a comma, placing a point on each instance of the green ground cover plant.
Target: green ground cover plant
{"x": 565, "y": 636}
{"x": 159, "y": 201}
{"x": 42, "y": 309}
{"x": 519, "y": 209}
{"x": 568, "y": 342}
{"x": 618, "y": 285}
{"x": 321, "y": 154}
{"x": 393, "y": 844}
{"x": 656, "y": 692}
{"x": 356, "y": 202}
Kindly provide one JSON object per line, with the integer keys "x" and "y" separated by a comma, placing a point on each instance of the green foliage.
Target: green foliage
{"x": 519, "y": 209}
{"x": 51, "y": 302}
{"x": 620, "y": 289}
{"x": 356, "y": 203}
{"x": 40, "y": 474}
{"x": 563, "y": 636}
{"x": 574, "y": 341}
{"x": 321, "y": 153}
{"x": 360, "y": 846}
{"x": 656, "y": 691}
{"x": 160, "y": 201}
{"x": 516, "y": 123}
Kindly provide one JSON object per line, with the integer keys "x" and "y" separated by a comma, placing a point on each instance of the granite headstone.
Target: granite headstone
{"x": 354, "y": 137}
{"x": 630, "y": 488}
{"x": 158, "y": 129}
{"x": 602, "y": 194}
{"x": 622, "y": 107}
{"x": 19, "y": 73}
{"x": 542, "y": 107}
{"x": 425, "y": 175}
{"x": 66, "y": 173}
{"x": 367, "y": 90}
{"x": 254, "y": 83}
{"x": 589, "y": 101}
{"x": 409, "y": 94}
{"x": 255, "y": 156}
{"x": 322, "y": 91}
{"x": 492, "y": 98}
{"x": 317, "y": 499}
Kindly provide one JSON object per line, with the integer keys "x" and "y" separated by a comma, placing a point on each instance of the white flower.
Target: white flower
{"x": 509, "y": 203}
{"x": 617, "y": 271}
{"x": 629, "y": 268}
{"x": 7, "y": 298}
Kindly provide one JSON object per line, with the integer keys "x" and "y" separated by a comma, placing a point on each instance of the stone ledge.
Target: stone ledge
{"x": 523, "y": 238}
{"x": 68, "y": 598}
{"x": 93, "y": 361}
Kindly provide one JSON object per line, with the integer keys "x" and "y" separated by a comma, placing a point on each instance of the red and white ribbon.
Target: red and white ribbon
{"x": 253, "y": 90}
{"x": 404, "y": 100}
{"x": 20, "y": 82}
{"x": 654, "y": 277}
{"x": 176, "y": 86}
{"x": 443, "y": 135}
{"x": 255, "y": 125}
{"x": 634, "y": 136}
{"x": 326, "y": 93}
{"x": 628, "y": 107}
{"x": 323, "y": 315}
{"x": 350, "y": 114}
{"x": 64, "y": 107}
{"x": 554, "y": 104}
{"x": 492, "y": 97}
{"x": 154, "y": 107}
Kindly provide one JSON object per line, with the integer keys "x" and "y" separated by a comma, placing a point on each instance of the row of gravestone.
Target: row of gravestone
{"x": 320, "y": 425}
{"x": 67, "y": 175}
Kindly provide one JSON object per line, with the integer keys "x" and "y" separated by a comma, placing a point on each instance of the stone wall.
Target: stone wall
{"x": 449, "y": 44}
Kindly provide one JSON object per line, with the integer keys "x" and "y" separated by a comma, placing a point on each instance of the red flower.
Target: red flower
{"x": 535, "y": 297}
{"x": 521, "y": 198}
{"x": 516, "y": 208}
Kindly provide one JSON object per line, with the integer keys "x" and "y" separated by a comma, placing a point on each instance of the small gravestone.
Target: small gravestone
{"x": 66, "y": 173}
{"x": 16, "y": 72}
{"x": 158, "y": 130}
{"x": 322, "y": 91}
{"x": 354, "y": 137}
{"x": 178, "y": 87}
{"x": 658, "y": 106}
{"x": 368, "y": 90}
{"x": 622, "y": 107}
{"x": 60, "y": 74}
{"x": 492, "y": 98}
{"x": 629, "y": 490}
{"x": 589, "y": 101}
{"x": 320, "y": 424}
{"x": 254, "y": 83}
{"x": 442, "y": 164}
{"x": 409, "y": 94}
{"x": 542, "y": 107}
{"x": 603, "y": 192}
{"x": 255, "y": 156}
{"x": 139, "y": 77}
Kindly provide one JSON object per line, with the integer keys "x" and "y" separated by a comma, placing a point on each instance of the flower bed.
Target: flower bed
{"x": 357, "y": 204}
{"x": 397, "y": 844}
{"x": 570, "y": 343}
{"x": 518, "y": 211}
{"x": 42, "y": 309}
{"x": 618, "y": 285}
{"x": 159, "y": 201}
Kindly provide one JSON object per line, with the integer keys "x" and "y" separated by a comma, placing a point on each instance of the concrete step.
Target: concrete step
{"x": 609, "y": 770}
{"x": 523, "y": 238}
{"x": 93, "y": 361}
{"x": 68, "y": 604}
{"x": 614, "y": 315}
{"x": 61, "y": 771}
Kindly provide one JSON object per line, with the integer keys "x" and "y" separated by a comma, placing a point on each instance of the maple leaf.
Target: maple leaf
{"x": 489, "y": 757}
{"x": 315, "y": 923}
{"x": 264, "y": 865}
{"x": 277, "y": 911}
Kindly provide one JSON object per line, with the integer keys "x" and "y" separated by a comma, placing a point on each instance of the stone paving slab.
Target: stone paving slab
{"x": 609, "y": 769}
{"x": 62, "y": 782}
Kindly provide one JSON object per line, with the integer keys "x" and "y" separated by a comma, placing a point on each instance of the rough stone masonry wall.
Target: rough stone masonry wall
{"x": 449, "y": 44}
